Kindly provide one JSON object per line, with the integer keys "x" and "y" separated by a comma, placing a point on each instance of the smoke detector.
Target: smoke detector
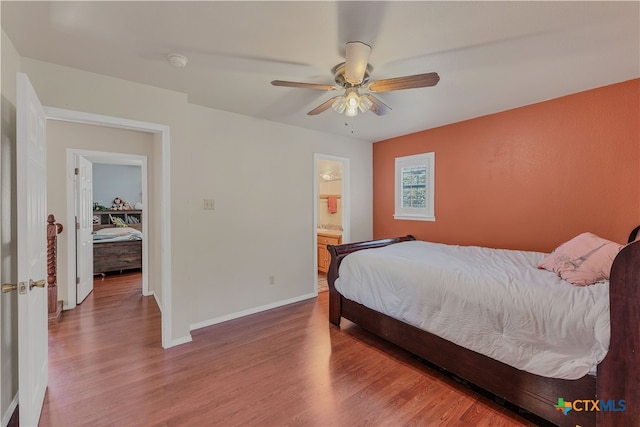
{"x": 177, "y": 60}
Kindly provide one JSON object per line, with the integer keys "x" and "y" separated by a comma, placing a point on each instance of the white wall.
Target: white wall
{"x": 221, "y": 259}
{"x": 8, "y": 262}
{"x": 260, "y": 175}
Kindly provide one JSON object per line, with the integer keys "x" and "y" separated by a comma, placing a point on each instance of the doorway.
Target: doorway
{"x": 331, "y": 211}
{"x": 159, "y": 261}
{"x": 113, "y": 175}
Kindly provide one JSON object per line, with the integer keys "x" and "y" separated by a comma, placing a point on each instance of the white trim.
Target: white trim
{"x": 155, "y": 297}
{"x": 71, "y": 243}
{"x": 54, "y": 113}
{"x": 166, "y": 242}
{"x": 414, "y": 218}
{"x": 179, "y": 341}
{"x": 409, "y": 213}
{"x": 250, "y": 311}
{"x": 163, "y": 130}
{"x": 10, "y": 410}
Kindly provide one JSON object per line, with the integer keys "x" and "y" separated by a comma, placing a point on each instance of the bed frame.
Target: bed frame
{"x": 117, "y": 256}
{"x": 618, "y": 374}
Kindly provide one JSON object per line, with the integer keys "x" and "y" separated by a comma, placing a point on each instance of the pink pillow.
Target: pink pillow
{"x": 583, "y": 260}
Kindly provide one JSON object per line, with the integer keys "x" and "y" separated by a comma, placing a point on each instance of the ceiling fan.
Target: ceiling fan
{"x": 352, "y": 75}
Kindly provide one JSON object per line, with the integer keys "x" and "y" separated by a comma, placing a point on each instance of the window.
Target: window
{"x": 414, "y": 184}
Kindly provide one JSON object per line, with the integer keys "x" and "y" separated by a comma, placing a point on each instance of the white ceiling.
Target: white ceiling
{"x": 491, "y": 56}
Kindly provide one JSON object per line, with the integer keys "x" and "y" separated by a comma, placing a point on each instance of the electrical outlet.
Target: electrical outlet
{"x": 209, "y": 204}
{"x": 272, "y": 280}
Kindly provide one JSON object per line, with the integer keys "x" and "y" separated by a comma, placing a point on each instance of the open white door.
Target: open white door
{"x": 31, "y": 177}
{"x": 84, "y": 228}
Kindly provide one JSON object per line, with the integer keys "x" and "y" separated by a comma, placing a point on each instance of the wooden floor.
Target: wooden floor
{"x": 284, "y": 367}
{"x": 323, "y": 286}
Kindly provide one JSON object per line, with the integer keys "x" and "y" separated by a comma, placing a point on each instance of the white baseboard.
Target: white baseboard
{"x": 6, "y": 417}
{"x": 155, "y": 297}
{"x": 255, "y": 310}
{"x": 179, "y": 341}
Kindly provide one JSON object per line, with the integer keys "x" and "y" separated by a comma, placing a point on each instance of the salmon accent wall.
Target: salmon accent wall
{"x": 528, "y": 178}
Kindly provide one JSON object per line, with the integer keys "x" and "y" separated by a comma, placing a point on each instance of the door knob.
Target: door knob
{"x": 8, "y": 287}
{"x": 21, "y": 287}
{"x": 39, "y": 284}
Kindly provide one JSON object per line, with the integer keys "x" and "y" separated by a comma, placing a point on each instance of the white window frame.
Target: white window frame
{"x": 416, "y": 214}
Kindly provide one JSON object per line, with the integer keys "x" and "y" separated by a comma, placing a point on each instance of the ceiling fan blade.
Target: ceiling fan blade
{"x": 378, "y": 107}
{"x": 356, "y": 61}
{"x": 304, "y": 85}
{"x": 322, "y": 107}
{"x": 407, "y": 82}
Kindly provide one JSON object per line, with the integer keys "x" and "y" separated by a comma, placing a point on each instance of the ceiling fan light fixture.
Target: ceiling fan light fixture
{"x": 365, "y": 104}
{"x": 339, "y": 105}
{"x": 352, "y": 99}
{"x": 351, "y": 112}
{"x": 351, "y": 102}
{"x": 353, "y": 74}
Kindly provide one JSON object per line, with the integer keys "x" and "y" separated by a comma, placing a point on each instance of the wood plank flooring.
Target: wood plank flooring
{"x": 323, "y": 285}
{"x": 284, "y": 367}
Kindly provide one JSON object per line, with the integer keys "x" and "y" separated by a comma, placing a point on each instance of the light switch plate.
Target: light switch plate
{"x": 209, "y": 204}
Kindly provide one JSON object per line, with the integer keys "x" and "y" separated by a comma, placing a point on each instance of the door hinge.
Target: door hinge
{"x": 76, "y": 171}
{"x": 77, "y": 226}
{"x": 77, "y": 280}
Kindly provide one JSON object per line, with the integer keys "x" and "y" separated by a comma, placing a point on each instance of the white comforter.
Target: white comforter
{"x": 116, "y": 234}
{"x": 492, "y": 301}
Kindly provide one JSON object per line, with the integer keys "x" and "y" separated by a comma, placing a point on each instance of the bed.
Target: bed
{"x": 116, "y": 249}
{"x": 618, "y": 370}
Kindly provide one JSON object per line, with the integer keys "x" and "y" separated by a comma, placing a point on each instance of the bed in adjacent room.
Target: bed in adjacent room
{"x": 116, "y": 249}
{"x": 527, "y": 326}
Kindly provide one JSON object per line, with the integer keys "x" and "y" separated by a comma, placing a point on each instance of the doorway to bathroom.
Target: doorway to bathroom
{"x": 331, "y": 210}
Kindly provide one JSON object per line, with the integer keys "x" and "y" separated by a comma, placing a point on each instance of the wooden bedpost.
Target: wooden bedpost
{"x": 55, "y": 306}
{"x": 334, "y": 296}
{"x": 618, "y": 376}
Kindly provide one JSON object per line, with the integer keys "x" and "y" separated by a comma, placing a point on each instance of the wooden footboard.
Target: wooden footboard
{"x": 117, "y": 256}
{"x": 618, "y": 374}
{"x": 338, "y": 252}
